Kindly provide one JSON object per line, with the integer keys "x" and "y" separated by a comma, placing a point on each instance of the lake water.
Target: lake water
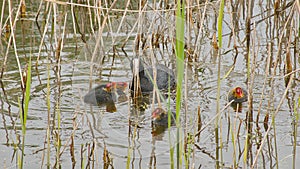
{"x": 90, "y": 136}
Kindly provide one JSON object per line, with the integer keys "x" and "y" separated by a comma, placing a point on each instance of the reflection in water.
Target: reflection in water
{"x": 237, "y": 107}
{"x": 158, "y": 132}
{"x": 107, "y": 95}
{"x": 140, "y": 103}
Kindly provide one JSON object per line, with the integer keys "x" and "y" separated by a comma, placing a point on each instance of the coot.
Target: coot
{"x": 238, "y": 95}
{"x": 160, "y": 117}
{"x": 165, "y": 78}
{"x": 105, "y": 93}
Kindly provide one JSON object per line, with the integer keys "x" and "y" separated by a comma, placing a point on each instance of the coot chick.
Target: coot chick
{"x": 238, "y": 95}
{"x": 105, "y": 93}
{"x": 160, "y": 117}
{"x": 165, "y": 77}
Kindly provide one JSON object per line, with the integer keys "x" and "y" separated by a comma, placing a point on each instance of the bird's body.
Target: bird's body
{"x": 105, "y": 93}
{"x": 165, "y": 78}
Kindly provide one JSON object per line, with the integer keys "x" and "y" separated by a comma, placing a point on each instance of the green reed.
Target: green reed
{"x": 180, "y": 21}
{"x": 24, "y": 112}
{"x": 220, "y": 23}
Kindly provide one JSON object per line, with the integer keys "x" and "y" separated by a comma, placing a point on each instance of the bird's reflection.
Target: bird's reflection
{"x": 141, "y": 102}
{"x": 237, "y": 107}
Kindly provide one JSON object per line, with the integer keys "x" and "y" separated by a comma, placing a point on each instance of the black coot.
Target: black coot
{"x": 165, "y": 78}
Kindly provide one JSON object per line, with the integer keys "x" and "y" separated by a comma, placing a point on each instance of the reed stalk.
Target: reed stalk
{"x": 49, "y": 117}
{"x": 220, "y": 23}
{"x": 234, "y": 137}
{"x": 180, "y": 21}
{"x": 295, "y": 130}
{"x": 23, "y": 114}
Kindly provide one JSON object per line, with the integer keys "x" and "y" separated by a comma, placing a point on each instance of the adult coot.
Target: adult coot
{"x": 143, "y": 76}
{"x": 106, "y": 94}
{"x": 238, "y": 95}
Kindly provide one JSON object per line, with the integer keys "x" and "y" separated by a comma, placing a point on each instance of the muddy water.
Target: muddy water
{"x": 94, "y": 130}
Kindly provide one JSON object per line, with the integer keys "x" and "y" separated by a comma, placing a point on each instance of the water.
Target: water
{"x": 95, "y": 130}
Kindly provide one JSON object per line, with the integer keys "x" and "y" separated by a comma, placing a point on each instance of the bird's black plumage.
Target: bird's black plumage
{"x": 100, "y": 95}
{"x": 165, "y": 77}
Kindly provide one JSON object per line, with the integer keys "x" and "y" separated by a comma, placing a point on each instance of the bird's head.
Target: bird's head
{"x": 238, "y": 92}
{"x": 158, "y": 114}
{"x": 121, "y": 85}
{"x": 110, "y": 86}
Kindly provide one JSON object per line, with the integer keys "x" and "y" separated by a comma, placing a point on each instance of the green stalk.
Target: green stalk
{"x": 23, "y": 114}
{"x": 27, "y": 96}
{"x": 129, "y": 151}
{"x": 220, "y": 23}
{"x": 131, "y": 147}
{"x": 169, "y": 129}
{"x": 180, "y": 21}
